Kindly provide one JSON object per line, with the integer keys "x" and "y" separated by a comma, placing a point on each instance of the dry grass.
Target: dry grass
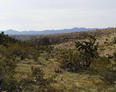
{"x": 95, "y": 81}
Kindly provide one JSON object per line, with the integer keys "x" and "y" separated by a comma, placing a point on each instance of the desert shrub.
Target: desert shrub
{"x": 40, "y": 79}
{"x": 34, "y": 82}
{"x": 70, "y": 60}
{"x": 5, "y": 39}
{"x": 45, "y": 48}
{"x": 7, "y": 72}
{"x": 46, "y": 51}
{"x": 114, "y": 55}
{"x": 37, "y": 82}
{"x": 114, "y": 40}
{"x": 44, "y": 83}
{"x": 14, "y": 51}
{"x": 12, "y": 48}
{"x": 99, "y": 63}
{"x": 42, "y": 41}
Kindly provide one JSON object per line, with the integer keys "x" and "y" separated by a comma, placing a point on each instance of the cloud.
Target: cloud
{"x": 48, "y": 14}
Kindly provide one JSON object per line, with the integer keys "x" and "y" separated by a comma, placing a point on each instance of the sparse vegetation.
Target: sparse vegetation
{"x": 59, "y": 63}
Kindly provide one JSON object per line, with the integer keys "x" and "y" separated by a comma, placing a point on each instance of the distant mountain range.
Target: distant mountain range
{"x": 46, "y": 32}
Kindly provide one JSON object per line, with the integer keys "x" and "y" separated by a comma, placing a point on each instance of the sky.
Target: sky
{"x": 56, "y": 14}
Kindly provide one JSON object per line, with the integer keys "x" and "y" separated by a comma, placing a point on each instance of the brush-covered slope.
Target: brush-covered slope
{"x": 35, "y": 66}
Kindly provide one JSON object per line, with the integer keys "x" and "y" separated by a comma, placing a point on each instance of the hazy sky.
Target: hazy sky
{"x": 56, "y": 14}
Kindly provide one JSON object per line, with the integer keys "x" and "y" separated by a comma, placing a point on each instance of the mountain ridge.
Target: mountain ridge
{"x": 47, "y": 32}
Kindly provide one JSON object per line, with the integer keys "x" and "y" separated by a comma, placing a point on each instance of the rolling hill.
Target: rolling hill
{"x": 46, "y": 32}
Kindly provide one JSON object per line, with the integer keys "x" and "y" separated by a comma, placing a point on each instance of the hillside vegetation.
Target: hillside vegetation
{"x": 60, "y": 38}
{"x": 73, "y": 62}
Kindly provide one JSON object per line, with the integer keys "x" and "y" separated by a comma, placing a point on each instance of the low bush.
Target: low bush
{"x": 114, "y": 56}
{"x": 37, "y": 82}
{"x": 114, "y": 40}
{"x": 99, "y": 63}
{"x": 7, "y": 72}
{"x": 70, "y": 60}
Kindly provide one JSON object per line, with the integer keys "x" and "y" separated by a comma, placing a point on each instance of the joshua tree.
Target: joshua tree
{"x": 88, "y": 50}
